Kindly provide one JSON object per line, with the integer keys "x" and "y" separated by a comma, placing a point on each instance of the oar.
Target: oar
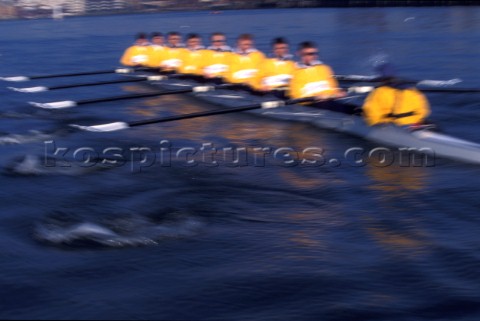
{"x": 427, "y": 82}
{"x": 71, "y": 103}
{"x": 123, "y": 125}
{"x": 450, "y": 90}
{"x": 367, "y": 89}
{"x": 37, "y": 89}
{"x": 86, "y": 73}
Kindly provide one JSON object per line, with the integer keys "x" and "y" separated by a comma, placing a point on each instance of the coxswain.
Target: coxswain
{"x": 193, "y": 56}
{"x": 276, "y": 71}
{"x": 171, "y": 59}
{"x": 245, "y": 63}
{"x": 395, "y": 101}
{"x": 217, "y": 56}
{"x": 137, "y": 54}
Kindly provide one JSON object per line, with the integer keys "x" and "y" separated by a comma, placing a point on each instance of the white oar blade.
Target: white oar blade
{"x": 16, "y": 78}
{"x": 37, "y": 89}
{"x": 55, "y": 105}
{"x": 103, "y": 128}
{"x": 439, "y": 83}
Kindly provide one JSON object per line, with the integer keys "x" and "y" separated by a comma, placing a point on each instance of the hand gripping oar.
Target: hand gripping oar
{"x": 37, "y": 89}
{"x": 123, "y": 125}
{"x": 71, "y": 103}
{"x": 427, "y": 82}
{"x": 86, "y": 73}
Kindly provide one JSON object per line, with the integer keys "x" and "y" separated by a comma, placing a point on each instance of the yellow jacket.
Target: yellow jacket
{"x": 244, "y": 68}
{"x": 309, "y": 81}
{"x": 399, "y": 106}
{"x": 172, "y": 58}
{"x": 216, "y": 63}
{"x": 135, "y": 55}
{"x": 193, "y": 61}
{"x": 156, "y": 54}
{"x": 275, "y": 73}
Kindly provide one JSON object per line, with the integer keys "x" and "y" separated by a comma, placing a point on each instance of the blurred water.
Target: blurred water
{"x": 262, "y": 241}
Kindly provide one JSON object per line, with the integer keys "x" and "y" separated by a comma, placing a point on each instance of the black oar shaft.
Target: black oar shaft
{"x": 212, "y": 112}
{"x": 450, "y": 90}
{"x": 146, "y": 95}
{"x": 132, "y": 96}
{"x": 118, "y": 81}
{"x": 87, "y": 73}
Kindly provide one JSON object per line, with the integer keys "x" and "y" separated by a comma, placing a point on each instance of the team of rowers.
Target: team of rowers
{"x": 393, "y": 102}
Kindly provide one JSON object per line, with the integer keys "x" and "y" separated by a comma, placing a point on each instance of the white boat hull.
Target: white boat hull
{"x": 424, "y": 141}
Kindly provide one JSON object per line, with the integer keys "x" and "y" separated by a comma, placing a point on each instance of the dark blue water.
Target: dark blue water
{"x": 262, "y": 241}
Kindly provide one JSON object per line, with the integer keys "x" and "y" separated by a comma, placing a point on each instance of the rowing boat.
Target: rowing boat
{"x": 424, "y": 140}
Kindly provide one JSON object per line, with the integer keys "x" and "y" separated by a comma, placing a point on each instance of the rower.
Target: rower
{"x": 171, "y": 59}
{"x": 137, "y": 54}
{"x": 245, "y": 63}
{"x": 312, "y": 78}
{"x": 156, "y": 50}
{"x": 193, "y": 56}
{"x": 217, "y": 57}
{"x": 277, "y": 71}
{"x": 157, "y": 40}
{"x": 395, "y": 101}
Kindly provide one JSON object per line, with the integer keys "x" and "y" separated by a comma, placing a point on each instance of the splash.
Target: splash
{"x": 378, "y": 59}
{"x": 16, "y": 139}
{"x": 33, "y": 165}
{"x": 117, "y": 232}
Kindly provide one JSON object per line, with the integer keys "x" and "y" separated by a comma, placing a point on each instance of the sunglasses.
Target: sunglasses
{"x": 218, "y": 40}
{"x": 310, "y": 53}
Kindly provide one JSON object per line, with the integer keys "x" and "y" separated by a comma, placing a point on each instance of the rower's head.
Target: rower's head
{"x": 141, "y": 39}
{"x": 193, "y": 41}
{"x": 218, "y": 39}
{"x": 388, "y": 77}
{"x": 308, "y": 52}
{"x": 280, "y": 47}
{"x": 174, "y": 39}
{"x": 245, "y": 42}
{"x": 157, "y": 38}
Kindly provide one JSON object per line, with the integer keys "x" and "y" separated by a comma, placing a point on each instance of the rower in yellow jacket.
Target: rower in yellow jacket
{"x": 157, "y": 50}
{"x": 217, "y": 57}
{"x": 172, "y": 57}
{"x": 245, "y": 62}
{"x": 395, "y": 101}
{"x": 276, "y": 72}
{"x": 193, "y": 56}
{"x": 137, "y": 55}
{"x": 312, "y": 78}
